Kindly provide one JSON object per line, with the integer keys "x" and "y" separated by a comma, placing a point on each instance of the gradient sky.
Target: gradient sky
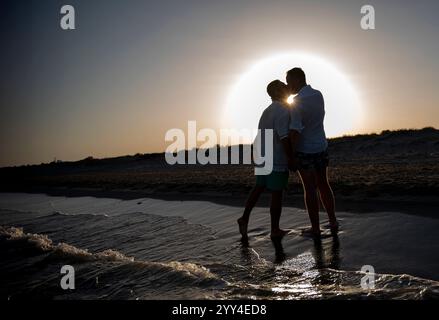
{"x": 134, "y": 69}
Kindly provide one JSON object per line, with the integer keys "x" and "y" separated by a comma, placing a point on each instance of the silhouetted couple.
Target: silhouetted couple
{"x": 299, "y": 144}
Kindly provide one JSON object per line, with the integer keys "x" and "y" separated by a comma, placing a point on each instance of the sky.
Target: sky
{"x": 131, "y": 70}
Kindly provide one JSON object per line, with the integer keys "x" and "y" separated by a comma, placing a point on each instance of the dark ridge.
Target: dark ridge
{"x": 400, "y": 163}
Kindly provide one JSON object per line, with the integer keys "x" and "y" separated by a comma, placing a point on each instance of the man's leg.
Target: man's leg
{"x": 327, "y": 196}
{"x": 275, "y": 213}
{"x": 249, "y": 205}
{"x": 311, "y": 198}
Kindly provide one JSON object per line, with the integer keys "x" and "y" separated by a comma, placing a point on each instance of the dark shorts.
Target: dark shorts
{"x": 313, "y": 161}
{"x": 275, "y": 181}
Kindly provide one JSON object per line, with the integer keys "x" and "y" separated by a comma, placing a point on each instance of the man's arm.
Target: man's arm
{"x": 293, "y": 139}
{"x": 295, "y": 129}
{"x": 287, "y": 147}
{"x": 281, "y": 127}
{"x": 293, "y": 161}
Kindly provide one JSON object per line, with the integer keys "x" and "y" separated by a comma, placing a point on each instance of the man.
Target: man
{"x": 308, "y": 142}
{"x": 275, "y": 117}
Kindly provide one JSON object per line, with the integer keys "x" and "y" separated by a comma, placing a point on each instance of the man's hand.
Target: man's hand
{"x": 293, "y": 164}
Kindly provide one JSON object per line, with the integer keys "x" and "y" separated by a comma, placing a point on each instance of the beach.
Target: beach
{"x": 135, "y": 227}
{"x": 213, "y": 158}
{"x": 148, "y": 248}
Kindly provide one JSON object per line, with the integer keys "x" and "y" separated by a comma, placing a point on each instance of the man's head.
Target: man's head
{"x": 277, "y": 90}
{"x": 296, "y": 80}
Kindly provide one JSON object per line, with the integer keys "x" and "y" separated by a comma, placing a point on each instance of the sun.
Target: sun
{"x": 248, "y": 98}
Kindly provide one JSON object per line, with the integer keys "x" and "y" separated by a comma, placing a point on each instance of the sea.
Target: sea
{"x": 161, "y": 249}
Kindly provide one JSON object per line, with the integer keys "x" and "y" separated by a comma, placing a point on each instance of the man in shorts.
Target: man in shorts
{"x": 309, "y": 147}
{"x": 275, "y": 117}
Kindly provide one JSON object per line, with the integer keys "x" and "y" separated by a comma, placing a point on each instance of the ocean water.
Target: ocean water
{"x": 156, "y": 249}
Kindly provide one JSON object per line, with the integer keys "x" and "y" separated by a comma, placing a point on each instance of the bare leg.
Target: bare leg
{"x": 311, "y": 199}
{"x": 249, "y": 205}
{"x": 327, "y": 197}
{"x": 275, "y": 212}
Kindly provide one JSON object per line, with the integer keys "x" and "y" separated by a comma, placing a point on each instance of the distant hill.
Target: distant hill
{"x": 387, "y": 144}
{"x": 397, "y": 163}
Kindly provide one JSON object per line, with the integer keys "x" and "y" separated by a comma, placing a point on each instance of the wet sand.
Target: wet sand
{"x": 393, "y": 243}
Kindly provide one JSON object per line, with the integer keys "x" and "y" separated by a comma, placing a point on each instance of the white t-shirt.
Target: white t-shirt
{"x": 306, "y": 117}
{"x": 276, "y": 117}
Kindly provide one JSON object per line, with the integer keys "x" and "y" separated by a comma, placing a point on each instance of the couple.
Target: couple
{"x": 299, "y": 144}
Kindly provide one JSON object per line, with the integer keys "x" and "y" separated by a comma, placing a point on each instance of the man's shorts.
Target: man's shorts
{"x": 313, "y": 161}
{"x": 275, "y": 181}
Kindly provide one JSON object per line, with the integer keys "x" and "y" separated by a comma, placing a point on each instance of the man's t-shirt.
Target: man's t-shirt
{"x": 276, "y": 117}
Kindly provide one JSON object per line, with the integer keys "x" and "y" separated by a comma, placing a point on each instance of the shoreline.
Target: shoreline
{"x": 381, "y": 239}
{"x": 416, "y": 205}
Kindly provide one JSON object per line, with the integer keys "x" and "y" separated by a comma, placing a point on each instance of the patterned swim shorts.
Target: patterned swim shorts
{"x": 315, "y": 161}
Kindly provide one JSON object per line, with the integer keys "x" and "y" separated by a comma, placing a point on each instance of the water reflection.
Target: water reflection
{"x": 327, "y": 254}
{"x": 315, "y": 273}
{"x": 279, "y": 251}
{"x": 306, "y": 275}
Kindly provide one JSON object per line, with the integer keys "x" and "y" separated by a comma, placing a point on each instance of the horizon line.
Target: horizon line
{"x": 197, "y": 148}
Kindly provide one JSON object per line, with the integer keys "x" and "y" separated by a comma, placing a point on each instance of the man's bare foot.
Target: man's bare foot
{"x": 334, "y": 227}
{"x": 311, "y": 233}
{"x": 278, "y": 234}
{"x": 243, "y": 225}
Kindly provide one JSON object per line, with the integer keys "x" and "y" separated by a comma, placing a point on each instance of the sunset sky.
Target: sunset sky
{"x": 134, "y": 69}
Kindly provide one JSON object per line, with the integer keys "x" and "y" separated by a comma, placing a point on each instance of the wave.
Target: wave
{"x": 64, "y": 251}
{"x": 293, "y": 279}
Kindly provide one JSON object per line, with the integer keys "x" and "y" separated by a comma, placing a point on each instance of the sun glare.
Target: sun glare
{"x": 290, "y": 99}
{"x": 248, "y": 98}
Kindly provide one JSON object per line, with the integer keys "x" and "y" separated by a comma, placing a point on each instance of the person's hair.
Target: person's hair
{"x": 297, "y": 73}
{"x": 274, "y": 88}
